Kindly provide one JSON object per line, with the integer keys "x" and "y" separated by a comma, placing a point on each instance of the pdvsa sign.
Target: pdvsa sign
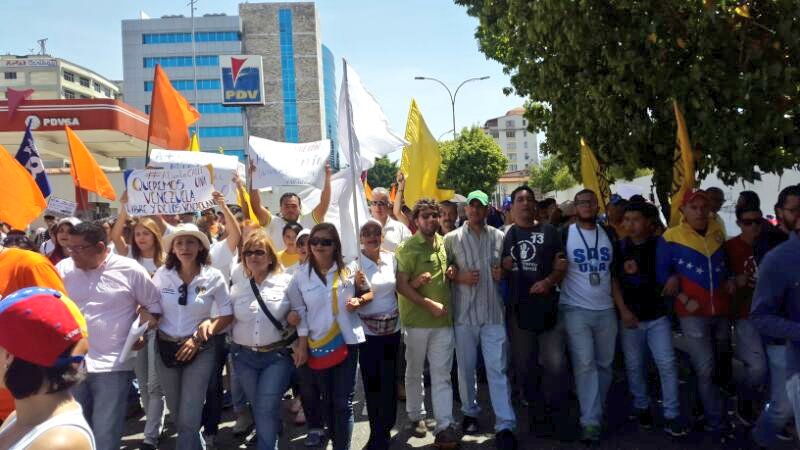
{"x": 242, "y": 80}
{"x": 48, "y": 122}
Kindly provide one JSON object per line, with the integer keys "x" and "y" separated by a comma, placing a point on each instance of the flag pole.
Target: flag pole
{"x": 352, "y": 143}
{"x": 150, "y": 118}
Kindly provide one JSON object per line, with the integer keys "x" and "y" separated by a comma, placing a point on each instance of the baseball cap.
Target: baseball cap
{"x": 38, "y": 325}
{"x": 479, "y": 196}
{"x": 690, "y": 195}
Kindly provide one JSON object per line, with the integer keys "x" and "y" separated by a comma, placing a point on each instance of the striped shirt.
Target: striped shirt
{"x": 482, "y": 303}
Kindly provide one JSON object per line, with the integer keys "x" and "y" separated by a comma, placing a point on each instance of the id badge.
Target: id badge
{"x": 594, "y": 279}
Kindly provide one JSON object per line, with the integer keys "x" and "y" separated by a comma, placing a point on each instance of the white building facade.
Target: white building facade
{"x": 520, "y": 146}
{"x": 53, "y": 78}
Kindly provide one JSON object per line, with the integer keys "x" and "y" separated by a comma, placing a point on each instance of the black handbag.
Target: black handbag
{"x": 167, "y": 349}
{"x": 535, "y": 312}
{"x": 288, "y": 334}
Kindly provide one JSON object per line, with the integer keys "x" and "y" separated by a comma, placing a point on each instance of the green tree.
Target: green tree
{"x": 551, "y": 175}
{"x": 472, "y": 161}
{"x": 383, "y": 173}
{"x": 608, "y": 70}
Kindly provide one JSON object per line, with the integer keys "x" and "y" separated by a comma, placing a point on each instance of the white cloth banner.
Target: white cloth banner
{"x": 169, "y": 191}
{"x": 286, "y": 164}
{"x": 225, "y": 167}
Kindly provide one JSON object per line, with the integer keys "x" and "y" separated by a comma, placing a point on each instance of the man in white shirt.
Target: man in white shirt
{"x": 291, "y": 211}
{"x": 394, "y": 232}
{"x": 108, "y": 288}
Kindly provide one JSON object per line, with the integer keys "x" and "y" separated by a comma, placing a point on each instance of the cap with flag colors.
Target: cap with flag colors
{"x": 421, "y": 160}
{"x": 28, "y": 156}
{"x": 22, "y": 200}
{"x": 86, "y": 173}
{"x": 170, "y": 113}
{"x": 38, "y": 325}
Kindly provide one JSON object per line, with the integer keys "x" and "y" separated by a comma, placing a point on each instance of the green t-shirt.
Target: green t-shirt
{"x": 415, "y": 256}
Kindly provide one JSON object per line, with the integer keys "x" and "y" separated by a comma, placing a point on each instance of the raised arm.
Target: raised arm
{"x": 262, "y": 214}
{"x": 231, "y": 224}
{"x": 119, "y": 226}
{"x": 397, "y": 208}
{"x": 324, "y": 198}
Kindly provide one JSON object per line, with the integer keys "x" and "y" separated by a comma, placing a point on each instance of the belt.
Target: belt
{"x": 266, "y": 348}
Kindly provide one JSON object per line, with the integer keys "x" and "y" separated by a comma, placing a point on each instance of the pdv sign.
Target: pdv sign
{"x": 242, "y": 80}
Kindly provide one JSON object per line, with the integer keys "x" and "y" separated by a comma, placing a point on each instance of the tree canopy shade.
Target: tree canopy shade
{"x": 472, "y": 161}
{"x": 607, "y": 70}
{"x": 551, "y": 175}
{"x": 383, "y": 173}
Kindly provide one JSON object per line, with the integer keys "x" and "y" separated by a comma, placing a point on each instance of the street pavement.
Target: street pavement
{"x": 620, "y": 433}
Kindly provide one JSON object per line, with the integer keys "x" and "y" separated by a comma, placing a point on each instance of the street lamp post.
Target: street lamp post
{"x": 452, "y": 94}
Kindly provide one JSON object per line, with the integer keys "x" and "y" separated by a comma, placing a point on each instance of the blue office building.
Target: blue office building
{"x": 331, "y": 104}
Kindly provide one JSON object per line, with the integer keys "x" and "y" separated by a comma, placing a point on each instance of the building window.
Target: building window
{"x": 217, "y": 36}
{"x": 527, "y": 156}
{"x": 68, "y": 94}
{"x": 107, "y": 92}
{"x": 97, "y": 87}
{"x": 218, "y": 108}
{"x": 524, "y": 133}
{"x": 509, "y": 124}
{"x": 83, "y": 96}
{"x": 187, "y": 85}
{"x": 291, "y": 129}
{"x": 525, "y": 144}
{"x": 512, "y": 167}
{"x": 180, "y": 61}
{"x": 511, "y": 145}
{"x": 512, "y": 156}
{"x": 495, "y": 134}
{"x": 200, "y": 36}
{"x": 524, "y": 123}
{"x": 11, "y": 75}
{"x": 510, "y": 133}
{"x": 210, "y": 132}
{"x": 85, "y": 82}
{"x": 69, "y": 76}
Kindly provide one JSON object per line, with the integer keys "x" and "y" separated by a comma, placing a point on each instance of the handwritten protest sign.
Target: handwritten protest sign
{"x": 60, "y": 207}
{"x": 169, "y": 191}
{"x": 225, "y": 166}
{"x": 284, "y": 164}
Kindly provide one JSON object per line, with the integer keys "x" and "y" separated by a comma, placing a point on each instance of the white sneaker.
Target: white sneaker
{"x": 244, "y": 421}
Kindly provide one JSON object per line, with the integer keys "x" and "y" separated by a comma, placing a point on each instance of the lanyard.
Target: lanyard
{"x": 596, "y": 242}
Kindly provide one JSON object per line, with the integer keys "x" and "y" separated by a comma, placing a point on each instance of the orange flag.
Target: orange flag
{"x": 170, "y": 113}
{"x": 85, "y": 171}
{"x": 22, "y": 201}
{"x": 393, "y": 194}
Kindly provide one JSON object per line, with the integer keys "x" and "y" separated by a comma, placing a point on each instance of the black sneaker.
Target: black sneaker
{"x": 505, "y": 440}
{"x": 644, "y": 418}
{"x": 676, "y": 427}
{"x": 469, "y": 425}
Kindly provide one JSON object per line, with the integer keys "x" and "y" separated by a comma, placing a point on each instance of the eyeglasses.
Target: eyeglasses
{"x": 250, "y": 253}
{"x": 315, "y": 241}
{"x": 749, "y": 222}
{"x": 77, "y": 248}
{"x": 183, "y": 290}
{"x": 382, "y": 203}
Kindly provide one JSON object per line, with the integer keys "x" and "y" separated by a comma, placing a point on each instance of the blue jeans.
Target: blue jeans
{"x": 793, "y": 392}
{"x": 150, "y": 389}
{"x": 494, "y": 346}
{"x": 592, "y": 339}
{"x": 185, "y": 390}
{"x": 749, "y": 349}
{"x": 337, "y": 385}
{"x": 264, "y": 378}
{"x": 778, "y": 411}
{"x": 657, "y": 336}
{"x": 702, "y": 334}
{"x": 104, "y": 399}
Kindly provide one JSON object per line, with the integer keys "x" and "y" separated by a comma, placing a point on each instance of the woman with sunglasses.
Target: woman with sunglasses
{"x": 261, "y": 335}
{"x": 378, "y": 355}
{"x": 324, "y": 296}
{"x": 189, "y": 287}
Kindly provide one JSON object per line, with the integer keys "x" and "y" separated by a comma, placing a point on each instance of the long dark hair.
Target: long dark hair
{"x": 24, "y": 379}
{"x": 337, "y": 250}
{"x": 58, "y": 252}
{"x": 172, "y": 262}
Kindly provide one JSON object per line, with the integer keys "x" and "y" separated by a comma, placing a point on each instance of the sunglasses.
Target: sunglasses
{"x": 320, "y": 242}
{"x": 183, "y": 291}
{"x": 383, "y": 203}
{"x": 250, "y": 253}
{"x": 749, "y": 222}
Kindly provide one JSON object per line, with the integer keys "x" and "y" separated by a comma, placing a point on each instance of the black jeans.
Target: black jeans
{"x": 212, "y": 410}
{"x": 378, "y": 360}
{"x": 311, "y": 397}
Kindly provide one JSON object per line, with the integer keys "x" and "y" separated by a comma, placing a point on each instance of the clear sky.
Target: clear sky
{"x": 387, "y": 42}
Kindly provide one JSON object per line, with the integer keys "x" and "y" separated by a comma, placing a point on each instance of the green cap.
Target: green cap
{"x": 479, "y": 196}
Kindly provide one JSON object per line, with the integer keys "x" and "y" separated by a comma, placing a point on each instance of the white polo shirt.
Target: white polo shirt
{"x": 207, "y": 289}
{"x": 251, "y": 327}
{"x": 382, "y": 279}
{"x": 394, "y": 232}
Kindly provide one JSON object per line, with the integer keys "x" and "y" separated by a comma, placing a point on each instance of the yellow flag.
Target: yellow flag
{"x": 244, "y": 197}
{"x": 367, "y": 191}
{"x": 682, "y": 167}
{"x": 593, "y": 177}
{"x": 194, "y": 146}
{"x": 421, "y": 160}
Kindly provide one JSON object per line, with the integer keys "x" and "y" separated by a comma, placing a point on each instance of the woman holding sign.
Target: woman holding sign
{"x": 263, "y": 331}
{"x": 324, "y": 294}
{"x": 189, "y": 288}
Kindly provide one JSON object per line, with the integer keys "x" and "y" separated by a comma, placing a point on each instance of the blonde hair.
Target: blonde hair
{"x": 257, "y": 239}
{"x": 150, "y": 225}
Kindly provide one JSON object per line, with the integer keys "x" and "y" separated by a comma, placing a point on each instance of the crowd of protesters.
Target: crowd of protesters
{"x": 530, "y": 294}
